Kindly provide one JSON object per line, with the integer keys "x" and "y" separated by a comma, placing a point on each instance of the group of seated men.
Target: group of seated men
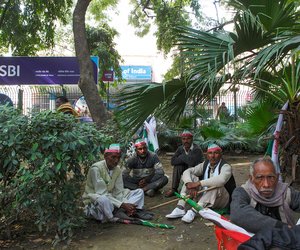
{"x": 262, "y": 202}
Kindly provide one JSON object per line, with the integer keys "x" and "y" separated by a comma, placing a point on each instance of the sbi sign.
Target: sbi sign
{"x": 9, "y": 70}
{"x": 42, "y": 70}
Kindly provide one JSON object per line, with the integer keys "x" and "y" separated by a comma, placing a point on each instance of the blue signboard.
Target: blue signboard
{"x": 42, "y": 70}
{"x": 136, "y": 72}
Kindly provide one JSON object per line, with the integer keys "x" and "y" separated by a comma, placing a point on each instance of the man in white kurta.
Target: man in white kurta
{"x": 214, "y": 172}
{"x": 104, "y": 189}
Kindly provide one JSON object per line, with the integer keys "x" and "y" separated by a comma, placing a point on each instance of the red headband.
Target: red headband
{"x": 113, "y": 148}
{"x": 139, "y": 143}
{"x": 112, "y": 151}
{"x": 213, "y": 149}
{"x": 186, "y": 134}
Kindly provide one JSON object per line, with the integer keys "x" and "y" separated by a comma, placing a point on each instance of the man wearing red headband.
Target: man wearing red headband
{"x": 104, "y": 190}
{"x": 144, "y": 170}
{"x": 186, "y": 156}
{"x": 214, "y": 172}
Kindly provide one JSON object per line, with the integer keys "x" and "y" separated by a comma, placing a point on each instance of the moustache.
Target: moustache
{"x": 266, "y": 189}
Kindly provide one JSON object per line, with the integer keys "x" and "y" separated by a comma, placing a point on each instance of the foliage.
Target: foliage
{"x": 168, "y": 138}
{"x": 171, "y": 99}
{"x": 214, "y": 53}
{"x": 244, "y": 56}
{"x": 166, "y": 15}
{"x": 101, "y": 44}
{"x": 42, "y": 167}
{"x": 136, "y": 102}
{"x": 115, "y": 132}
{"x": 97, "y": 9}
{"x": 27, "y": 26}
{"x": 231, "y": 137}
{"x": 258, "y": 117}
{"x": 186, "y": 122}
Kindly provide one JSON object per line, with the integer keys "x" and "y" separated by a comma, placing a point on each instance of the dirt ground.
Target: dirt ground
{"x": 197, "y": 235}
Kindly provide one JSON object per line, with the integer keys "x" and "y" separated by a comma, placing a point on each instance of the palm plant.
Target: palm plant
{"x": 265, "y": 42}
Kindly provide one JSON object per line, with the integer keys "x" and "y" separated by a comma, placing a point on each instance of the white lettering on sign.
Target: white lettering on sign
{"x": 9, "y": 70}
{"x": 138, "y": 71}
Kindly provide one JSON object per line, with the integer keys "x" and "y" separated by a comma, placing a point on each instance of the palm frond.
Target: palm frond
{"x": 260, "y": 117}
{"x": 276, "y": 52}
{"x": 207, "y": 53}
{"x": 139, "y": 100}
{"x": 272, "y": 14}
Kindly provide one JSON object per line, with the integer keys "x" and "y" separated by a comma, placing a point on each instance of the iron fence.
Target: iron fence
{"x": 39, "y": 98}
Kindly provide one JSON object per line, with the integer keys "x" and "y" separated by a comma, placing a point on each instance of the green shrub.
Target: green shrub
{"x": 42, "y": 168}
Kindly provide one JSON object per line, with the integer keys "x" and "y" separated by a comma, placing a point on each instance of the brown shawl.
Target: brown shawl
{"x": 278, "y": 199}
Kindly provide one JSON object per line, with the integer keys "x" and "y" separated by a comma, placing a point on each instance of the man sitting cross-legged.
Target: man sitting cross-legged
{"x": 104, "y": 191}
{"x": 213, "y": 172}
{"x": 144, "y": 170}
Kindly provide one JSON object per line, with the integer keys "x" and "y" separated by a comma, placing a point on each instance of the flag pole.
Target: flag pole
{"x": 177, "y": 199}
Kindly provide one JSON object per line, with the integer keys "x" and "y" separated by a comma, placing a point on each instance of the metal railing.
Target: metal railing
{"x": 39, "y": 98}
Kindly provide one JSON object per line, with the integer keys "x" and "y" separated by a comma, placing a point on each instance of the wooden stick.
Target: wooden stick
{"x": 177, "y": 199}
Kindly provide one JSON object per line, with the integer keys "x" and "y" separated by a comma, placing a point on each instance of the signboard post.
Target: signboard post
{"x": 108, "y": 76}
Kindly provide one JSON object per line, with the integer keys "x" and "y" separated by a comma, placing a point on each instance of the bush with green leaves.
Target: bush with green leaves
{"x": 42, "y": 168}
{"x": 232, "y": 137}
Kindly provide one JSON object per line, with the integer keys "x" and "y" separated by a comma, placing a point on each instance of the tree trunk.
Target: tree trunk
{"x": 86, "y": 81}
{"x": 290, "y": 141}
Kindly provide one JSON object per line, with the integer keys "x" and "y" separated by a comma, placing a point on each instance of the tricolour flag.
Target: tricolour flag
{"x": 150, "y": 135}
{"x": 229, "y": 235}
{"x": 275, "y": 147}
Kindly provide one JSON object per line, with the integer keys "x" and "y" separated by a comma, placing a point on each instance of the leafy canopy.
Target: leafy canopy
{"x": 27, "y": 26}
{"x": 165, "y": 15}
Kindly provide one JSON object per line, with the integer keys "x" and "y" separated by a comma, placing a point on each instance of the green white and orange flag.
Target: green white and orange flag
{"x": 229, "y": 235}
{"x": 150, "y": 135}
{"x": 275, "y": 146}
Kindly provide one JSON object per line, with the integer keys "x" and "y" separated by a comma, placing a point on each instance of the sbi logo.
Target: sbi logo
{"x": 9, "y": 70}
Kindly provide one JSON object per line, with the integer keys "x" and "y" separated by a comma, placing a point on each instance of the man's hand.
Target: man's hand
{"x": 142, "y": 183}
{"x": 129, "y": 208}
{"x": 192, "y": 185}
{"x": 192, "y": 188}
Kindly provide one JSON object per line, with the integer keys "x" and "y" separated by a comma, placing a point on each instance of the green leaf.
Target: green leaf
{"x": 58, "y": 155}
{"x": 81, "y": 142}
{"x": 35, "y": 146}
{"x": 58, "y": 166}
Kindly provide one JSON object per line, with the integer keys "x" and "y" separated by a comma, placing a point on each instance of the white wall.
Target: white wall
{"x": 143, "y": 51}
{"x": 136, "y": 50}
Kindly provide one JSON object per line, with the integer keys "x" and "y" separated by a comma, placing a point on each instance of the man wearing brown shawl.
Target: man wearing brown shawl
{"x": 263, "y": 201}
{"x": 63, "y": 105}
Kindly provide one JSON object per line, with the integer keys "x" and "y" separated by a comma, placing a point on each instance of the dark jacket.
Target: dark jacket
{"x": 279, "y": 238}
{"x": 193, "y": 158}
{"x": 252, "y": 220}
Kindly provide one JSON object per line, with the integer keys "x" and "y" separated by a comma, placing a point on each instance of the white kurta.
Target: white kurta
{"x": 217, "y": 198}
{"x": 104, "y": 190}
